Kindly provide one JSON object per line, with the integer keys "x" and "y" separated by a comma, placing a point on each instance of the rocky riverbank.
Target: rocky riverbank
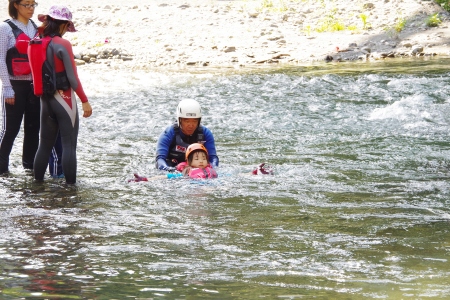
{"x": 205, "y": 33}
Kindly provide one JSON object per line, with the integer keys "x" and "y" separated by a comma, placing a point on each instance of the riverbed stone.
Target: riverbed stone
{"x": 221, "y": 33}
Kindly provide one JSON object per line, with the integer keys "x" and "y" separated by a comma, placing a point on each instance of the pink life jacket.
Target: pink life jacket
{"x": 199, "y": 173}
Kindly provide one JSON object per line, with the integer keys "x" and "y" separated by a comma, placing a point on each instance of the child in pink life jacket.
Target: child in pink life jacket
{"x": 197, "y": 165}
{"x": 261, "y": 169}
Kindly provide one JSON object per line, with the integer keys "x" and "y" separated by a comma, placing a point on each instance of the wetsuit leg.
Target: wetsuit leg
{"x": 31, "y": 127}
{"x": 49, "y": 131}
{"x": 69, "y": 136}
{"x": 58, "y": 113}
{"x": 54, "y": 162}
{"x": 11, "y": 121}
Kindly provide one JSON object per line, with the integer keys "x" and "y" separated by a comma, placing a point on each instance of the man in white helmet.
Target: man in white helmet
{"x": 173, "y": 142}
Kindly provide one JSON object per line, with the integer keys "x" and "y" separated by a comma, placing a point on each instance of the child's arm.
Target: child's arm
{"x": 186, "y": 171}
{"x": 138, "y": 178}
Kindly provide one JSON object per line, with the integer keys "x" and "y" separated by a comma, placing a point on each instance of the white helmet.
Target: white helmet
{"x": 189, "y": 109}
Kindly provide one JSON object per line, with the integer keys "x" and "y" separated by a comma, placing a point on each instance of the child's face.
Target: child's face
{"x": 199, "y": 160}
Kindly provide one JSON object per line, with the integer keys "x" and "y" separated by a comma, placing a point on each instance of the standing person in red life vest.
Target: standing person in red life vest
{"x": 18, "y": 101}
{"x": 59, "y": 111}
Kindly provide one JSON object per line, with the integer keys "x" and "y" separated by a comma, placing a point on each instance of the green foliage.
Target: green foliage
{"x": 363, "y": 18}
{"x": 401, "y": 23}
{"x": 352, "y": 28}
{"x": 433, "y": 20}
{"x": 307, "y": 29}
{"x": 278, "y": 6}
{"x": 444, "y": 3}
{"x": 330, "y": 23}
{"x": 396, "y": 29}
{"x": 267, "y": 3}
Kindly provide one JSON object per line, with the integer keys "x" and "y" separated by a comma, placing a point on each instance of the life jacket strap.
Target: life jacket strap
{"x": 16, "y": 30}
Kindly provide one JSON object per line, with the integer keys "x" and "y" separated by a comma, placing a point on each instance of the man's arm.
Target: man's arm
{"x": 210, "y": 145}
{"x": 162, "y": 149}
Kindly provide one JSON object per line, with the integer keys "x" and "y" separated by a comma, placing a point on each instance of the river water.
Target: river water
{"x": 358, "y": 207}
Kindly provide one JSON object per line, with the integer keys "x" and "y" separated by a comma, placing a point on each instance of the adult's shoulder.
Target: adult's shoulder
{"x": 5, "y": 31}
{"x": 171, "y": 127}
{"x": 18, "y": 24}
{"x": 62, "y": 47}
{"x": 165, "y": 138}
{"x": 62, "y": 41}
{"x": 4, "y": 25}
{"x": 168, "y": 130}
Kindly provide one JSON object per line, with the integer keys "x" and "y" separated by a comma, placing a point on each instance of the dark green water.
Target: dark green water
{"x": 358, "y": 207}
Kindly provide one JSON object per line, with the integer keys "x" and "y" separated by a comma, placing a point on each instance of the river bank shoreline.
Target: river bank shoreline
{"x": 245, "y": 34}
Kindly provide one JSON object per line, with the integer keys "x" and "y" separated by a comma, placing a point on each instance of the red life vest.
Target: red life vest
{"x": 37, "y": 53}
{"x": 16, "y": 57}
{"x": 45, "y": 80}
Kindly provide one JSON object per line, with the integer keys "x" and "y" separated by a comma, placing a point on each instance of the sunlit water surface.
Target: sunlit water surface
{"x": 358, "y": 207}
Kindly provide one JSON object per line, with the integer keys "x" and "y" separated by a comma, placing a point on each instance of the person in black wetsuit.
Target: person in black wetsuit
{"x": 59, "y": 111}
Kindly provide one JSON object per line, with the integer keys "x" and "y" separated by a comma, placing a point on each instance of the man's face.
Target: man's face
{"x": 188, "y": 126}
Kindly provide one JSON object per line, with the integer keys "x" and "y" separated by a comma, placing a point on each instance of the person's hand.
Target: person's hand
{"x": 186, "y": 171}
{"x": 10, "y": 101}
{"x": 137, "y": 178}
{"x": 162, "y": 165}
{"x": 87, "y": 109}
{"x": 168, "y": 169}
{"x": 263, "y": 169}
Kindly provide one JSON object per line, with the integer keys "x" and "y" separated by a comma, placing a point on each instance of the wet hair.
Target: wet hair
{"x": 51, "y": 26}
{"x": 12, "y": 10}
{"x": 191, "y": 155}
